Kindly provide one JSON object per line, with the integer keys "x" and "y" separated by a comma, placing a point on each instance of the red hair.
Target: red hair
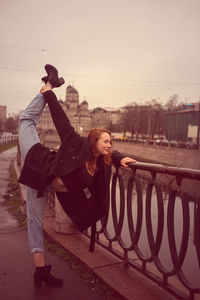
{"x": 93, "y": 136}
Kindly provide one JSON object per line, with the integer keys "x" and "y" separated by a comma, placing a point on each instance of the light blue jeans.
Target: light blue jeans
{"x": 27, "y": 138}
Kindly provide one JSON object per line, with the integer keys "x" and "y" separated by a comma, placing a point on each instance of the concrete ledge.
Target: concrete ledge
{"x": 127, "y": 282}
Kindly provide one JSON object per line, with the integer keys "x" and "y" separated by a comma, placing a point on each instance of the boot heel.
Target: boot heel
{"x": 42, "y": 274}
{"x": 52, "y": 76}
{"x": 37, "y": 282}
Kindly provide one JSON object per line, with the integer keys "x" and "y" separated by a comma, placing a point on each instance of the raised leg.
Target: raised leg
{"x": 27, "y": 126}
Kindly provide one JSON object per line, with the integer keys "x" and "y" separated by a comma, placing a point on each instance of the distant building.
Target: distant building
{"x": 182, "y": 125}
{"x": 78, "y": 114}
{"x": 105, "y": 117}
{"x": 81, "y": 118}
{"x": 3, "y": 114}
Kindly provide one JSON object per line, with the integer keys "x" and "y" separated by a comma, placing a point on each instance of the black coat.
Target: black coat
{"x": 85, "y": 212}
{"x": 42, "y": 165}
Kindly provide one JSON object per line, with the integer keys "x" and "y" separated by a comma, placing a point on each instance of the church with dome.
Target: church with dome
{"x": 81, "y": 118}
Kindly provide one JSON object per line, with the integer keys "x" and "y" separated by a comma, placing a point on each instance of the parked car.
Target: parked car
{"x": 140, "y": 141}
{"x": 173, "y": 144}
{"x": 165, "y": 143}
{"x": 158, "y": 142}
{"x": 150, "y": 142}
{"x": 182, "y": 144}
{"x": 134, "y": 140}
{"x": 191, "y": 145}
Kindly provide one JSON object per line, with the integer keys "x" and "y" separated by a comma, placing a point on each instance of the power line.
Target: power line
{"x": 137, "y": 81}
{"x": 129, "y": 59}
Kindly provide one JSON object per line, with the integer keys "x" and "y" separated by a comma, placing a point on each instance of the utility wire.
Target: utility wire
{"x": 108, "y": 78}
{"x": 135, "y": 60}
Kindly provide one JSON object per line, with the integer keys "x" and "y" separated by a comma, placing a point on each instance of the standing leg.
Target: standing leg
{"x": 35, "y": 211}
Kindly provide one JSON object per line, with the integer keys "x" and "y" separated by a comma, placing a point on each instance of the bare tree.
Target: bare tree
{"x": 156, "y": 117}
{"x": 144, "y": 120}
{"x": 11, "y": 124}
{"x": 172, "y": 102}
{"x": 130, "y": 119}
{"x": 1, "y": 125}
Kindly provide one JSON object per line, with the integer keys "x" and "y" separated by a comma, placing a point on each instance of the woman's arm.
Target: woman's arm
{"x": 58, "y": 185}
{"x": 121, "y": 160}
{"x": 60, "y": 119}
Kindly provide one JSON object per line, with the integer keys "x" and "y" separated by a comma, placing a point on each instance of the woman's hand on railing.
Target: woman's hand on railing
{"x": 126, "y": 160}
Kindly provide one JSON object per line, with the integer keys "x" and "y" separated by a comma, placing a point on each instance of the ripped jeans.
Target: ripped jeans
{"x": 27, "y": 138}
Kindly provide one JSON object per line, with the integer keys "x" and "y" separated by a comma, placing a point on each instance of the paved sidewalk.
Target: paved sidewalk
{"x": 16, "y": 266}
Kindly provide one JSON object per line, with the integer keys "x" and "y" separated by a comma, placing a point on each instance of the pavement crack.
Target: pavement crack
{"x": 108, "y": 265}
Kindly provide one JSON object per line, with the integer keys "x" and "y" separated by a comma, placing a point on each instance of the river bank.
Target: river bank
{"x": 167, "y": 156}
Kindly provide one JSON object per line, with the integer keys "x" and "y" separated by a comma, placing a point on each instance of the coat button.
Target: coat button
{"x": 61, "y": 161}
{"x": 73, "y": 157}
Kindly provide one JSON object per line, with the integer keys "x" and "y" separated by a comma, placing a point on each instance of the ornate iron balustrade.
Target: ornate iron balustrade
{"x": 165, "y": 229}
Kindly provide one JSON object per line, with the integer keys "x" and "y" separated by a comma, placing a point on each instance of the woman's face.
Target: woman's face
{"x": 104, "y": 144}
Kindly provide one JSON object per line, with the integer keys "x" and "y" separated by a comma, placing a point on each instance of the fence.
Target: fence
{"x": 154, "y": 227}
{"x": 8, "y": 139}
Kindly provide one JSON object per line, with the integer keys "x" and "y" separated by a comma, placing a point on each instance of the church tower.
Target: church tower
{"x": 72, "y": 99}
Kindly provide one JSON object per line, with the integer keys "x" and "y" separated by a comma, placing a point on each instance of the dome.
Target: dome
{"x": 98, "y": 109}
{"x": 71, "y": 90}
{"x": 84, "y": 102}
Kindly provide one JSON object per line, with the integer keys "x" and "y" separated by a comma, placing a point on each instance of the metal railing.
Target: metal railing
{"x": 167, "y": 251}
{"x": 4, "y": 140}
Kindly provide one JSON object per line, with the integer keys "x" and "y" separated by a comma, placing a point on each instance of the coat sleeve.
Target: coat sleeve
{"x": 60, "y": 119}
{"x": 116, "y": 158}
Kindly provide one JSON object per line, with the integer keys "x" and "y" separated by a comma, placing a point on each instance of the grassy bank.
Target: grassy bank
{"x": 12, "y": 199}
{"x": 7, "y": 146}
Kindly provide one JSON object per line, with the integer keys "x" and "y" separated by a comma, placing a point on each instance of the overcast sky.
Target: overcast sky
{"x": 114, "y": 52}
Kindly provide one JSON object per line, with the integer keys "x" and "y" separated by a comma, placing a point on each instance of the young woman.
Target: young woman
{"x": 79, "y": 171}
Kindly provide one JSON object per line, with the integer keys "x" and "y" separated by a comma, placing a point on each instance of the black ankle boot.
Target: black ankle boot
{"x": 52, "y": 76}
{"x": 42, "y": 274}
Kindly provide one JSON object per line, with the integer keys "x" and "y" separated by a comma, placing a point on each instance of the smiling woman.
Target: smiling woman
{"x": 104, "y": 143}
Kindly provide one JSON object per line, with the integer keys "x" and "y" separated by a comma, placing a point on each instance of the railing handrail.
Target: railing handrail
{"x": 159, "y": 168}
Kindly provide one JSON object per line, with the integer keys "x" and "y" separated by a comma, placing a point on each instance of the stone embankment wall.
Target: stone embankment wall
{"x": 155, "y": 154}
{"x": 168, "y": 156}
{"x": 148, "y": 153}
{"x": 162, "y": 155}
